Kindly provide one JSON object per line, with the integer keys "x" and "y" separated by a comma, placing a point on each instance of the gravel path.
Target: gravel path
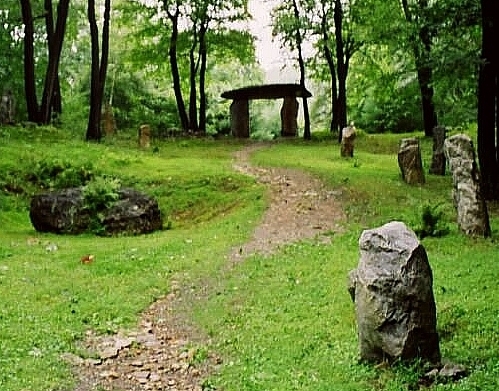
{"x": 161, "y": 354}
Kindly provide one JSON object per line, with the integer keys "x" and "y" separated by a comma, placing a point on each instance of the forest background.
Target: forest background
{"x": 390, "y": 66}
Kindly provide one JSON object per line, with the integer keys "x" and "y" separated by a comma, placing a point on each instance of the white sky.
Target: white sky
{"x": 271, "y": 57}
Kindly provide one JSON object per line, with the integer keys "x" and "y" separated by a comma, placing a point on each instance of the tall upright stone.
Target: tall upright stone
{"x": 438, "y": 162}
{"x": 472, "y": 214}
{"x": 410, "y": 163}
{"x": 348, "y": 135}
{"x": 393, "y": 295}
{"x": 145, "y": 136}
{"x": 289, "y": 117}
{"x": 239, "y": 114}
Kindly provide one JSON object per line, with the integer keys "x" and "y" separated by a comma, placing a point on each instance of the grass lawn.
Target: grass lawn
{"x": 284, "y": 322}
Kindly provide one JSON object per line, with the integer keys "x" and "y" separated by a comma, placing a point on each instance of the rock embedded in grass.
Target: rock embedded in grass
{"x": 64, "y": 212}
{"x": 393, "y": 295}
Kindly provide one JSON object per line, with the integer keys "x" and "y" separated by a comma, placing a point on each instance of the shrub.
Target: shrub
{"x": 99, "y": 195}
{"x": 58, "y": 174}
{"x": 431, "y": 223}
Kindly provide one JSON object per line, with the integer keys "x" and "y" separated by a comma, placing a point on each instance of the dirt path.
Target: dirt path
{"x": 160, "y": 354}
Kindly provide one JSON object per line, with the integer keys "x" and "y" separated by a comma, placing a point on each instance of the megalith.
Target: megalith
{"x": 289, "y": 115}
{"x": 347, "y": 140}
{"x": 472, "y": 214}
{"x": 145, "y": 136}
{"x": 438, "y": 162}
{"x": 393, "y": 295}
{"x": 239, "y": 114}
{"x": 410, "y": 163}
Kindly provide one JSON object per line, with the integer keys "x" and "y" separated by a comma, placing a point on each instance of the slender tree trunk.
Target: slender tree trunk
{"x": 333, "y": 126}
{"x": 425, "y": 73}
{"x": 99, "y": 69}
{"x": 301, "y": 63}
{"x": 172, "y": 53}
{"x": 202, "y": 80}
{"x": 422, "y": 51}
{"x": 29, "y": 63}
{"x": 488, "y": 84}
{"x": 193, "y": 110}
{"x": 55, "y": 40}
{"x": 342, "y": 68}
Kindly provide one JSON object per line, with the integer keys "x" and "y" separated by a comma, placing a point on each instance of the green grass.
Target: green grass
{"x": 283, "y": 322}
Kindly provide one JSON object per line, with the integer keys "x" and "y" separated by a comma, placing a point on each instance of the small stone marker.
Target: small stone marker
{"x": 410, "y": 163}
{"x": 144, "y": 136}
{"x": 347, "y": 140}
{"x": 393, "y": 295}
{"x": 108, "y": 121}
{"x": 472, "y": 214}
{"x": 438, "y": 158}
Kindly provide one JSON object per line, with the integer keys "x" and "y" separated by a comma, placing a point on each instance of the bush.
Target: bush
{"x": 59, "y": 174}
{"x": 431, "y": 223}
{"x": 98, "y": 196}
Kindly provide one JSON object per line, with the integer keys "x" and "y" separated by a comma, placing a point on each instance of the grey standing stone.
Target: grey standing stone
{"x": 438, "y": 158}
{"x": 393, "y": 295}
{"x": 472, "y": 215}
{"x": 410, "y": 163}
{"x": 347, "y": 140}
{"x": 239, "y": 113}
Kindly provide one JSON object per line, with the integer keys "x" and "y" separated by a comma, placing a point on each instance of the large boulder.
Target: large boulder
{"x": 64, "y": 212}
{"x": 393, "y": 295}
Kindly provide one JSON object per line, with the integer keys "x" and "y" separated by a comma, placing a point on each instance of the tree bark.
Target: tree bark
{"x": 98, "y": 70}
{"x": 202, "y": 80}
{"x": 55, "y": 40}
{"x": 172, "y": 53}
{"x": 193, "y": 111}
{"x": 487, "y": 116}
{"x": 422, "y": 49}
{"x": 29, "y": 63}
{"x": 301, "y": 63}
{"x": 342, "y": 68}
{"x": 334, "y": 125}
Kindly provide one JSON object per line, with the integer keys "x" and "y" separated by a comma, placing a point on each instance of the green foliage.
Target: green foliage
{"x": 100, "y": 195}
{"x": 432, "y": 222}
{"x": 57, "y": 174}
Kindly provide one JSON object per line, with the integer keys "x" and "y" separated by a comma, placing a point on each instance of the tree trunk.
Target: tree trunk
{"x": 172, "y": 53}
{"x": 202, "y": 80}
{"x": 55, "y": 40}
{"x": 29, "y": 63}
{"x": 487, "y": 103}
{"x": 98, "y": 70}
{"x": 301, "y": 63}
{"x": 425, "y": 72}
{"x": 193, "y": 114}
{"x": 342, "y": 68}
{"x": 334, "y": 126}
{"x": 422, "y": 49}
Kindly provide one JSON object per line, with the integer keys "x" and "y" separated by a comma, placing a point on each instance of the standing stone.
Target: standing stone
{"x": 239, "y": 118}
{"x": 347, "y": 138}
{"x": 144, "y": 136}
{"x": 393, "y": 295}
{"x": 438, "y": 158}
{"x": 7, "y": 108}
{"x": 108, "y": 121}
{"x": 410, "y": 163}
{"x": 289, "y": 117}
{"x": 472, "y": 215}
